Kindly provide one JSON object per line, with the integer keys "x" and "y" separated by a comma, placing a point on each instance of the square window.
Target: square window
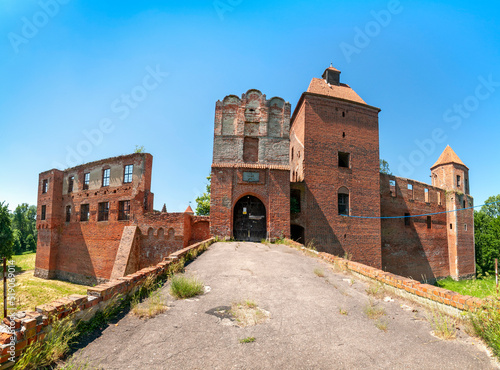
{"x": 71, "y": 181}
{"x": 86, "y": 181}
{"x": 105, "y": 177}
{"x": 44, "y": 210}
{"x": 124, "y": 210}
{"x": 68, "y": 213}
{"x": 344, "y": 160}
{"x": 45, "y": 186}
{"x": 103, "y": 213}
{"x": 127, "y": 177}
{"x": 84, "y": 212}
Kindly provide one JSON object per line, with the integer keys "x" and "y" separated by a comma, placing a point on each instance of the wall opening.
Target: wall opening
{"x": 295, "y": 201}
{"x": 343, "y": 201}
{"x": 249, "y": 219}
{"x": 344, "y": 159}
{"x": 297, "y": 233}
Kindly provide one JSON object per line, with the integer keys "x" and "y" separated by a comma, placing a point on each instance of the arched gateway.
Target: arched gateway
{"x": 249, "y": 222}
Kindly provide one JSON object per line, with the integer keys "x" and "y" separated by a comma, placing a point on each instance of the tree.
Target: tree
{"x": 492, "y": 209}
{"x": 384, "y": 167}
{"x": 487, "y": 236}
{"x": 203, "y": 201}
{"x": 24, "y": 222}
{"x": 6, "y": 232}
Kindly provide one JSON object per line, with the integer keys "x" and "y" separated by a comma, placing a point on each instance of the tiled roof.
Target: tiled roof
{"x": 333, "y": 69}
{"x": 342, "y": 91}
{"x": 448, "y": 156}
{"x": 189, "y": 210}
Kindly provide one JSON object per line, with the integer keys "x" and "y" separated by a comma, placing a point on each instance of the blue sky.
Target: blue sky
{"x": 67, "y": 67}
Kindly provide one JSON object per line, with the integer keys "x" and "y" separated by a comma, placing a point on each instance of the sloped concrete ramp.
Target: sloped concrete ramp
{"x": 316, "y": 322}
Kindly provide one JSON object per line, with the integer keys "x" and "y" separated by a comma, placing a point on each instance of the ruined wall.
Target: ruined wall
{"x": 333, "y": 126}
{"x": 416, "y": 247}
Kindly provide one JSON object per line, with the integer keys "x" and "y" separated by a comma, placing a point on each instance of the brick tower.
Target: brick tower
{"x": 451, "y": 174}
{"x": 250, "y": 195}
{"x": 334, "y": 156}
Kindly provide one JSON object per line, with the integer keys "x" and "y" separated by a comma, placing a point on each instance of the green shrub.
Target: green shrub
{"x": 185, "y": 287}
{"x": 486, "y": 323}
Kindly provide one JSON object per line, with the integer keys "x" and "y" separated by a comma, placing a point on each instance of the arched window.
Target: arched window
{"x": 343, "y": 201}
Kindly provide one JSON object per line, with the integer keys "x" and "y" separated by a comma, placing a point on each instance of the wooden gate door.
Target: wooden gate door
{"x": 249, "y": 223}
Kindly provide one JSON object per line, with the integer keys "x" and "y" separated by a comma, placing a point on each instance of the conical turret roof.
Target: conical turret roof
{"x": 448, "y": 156}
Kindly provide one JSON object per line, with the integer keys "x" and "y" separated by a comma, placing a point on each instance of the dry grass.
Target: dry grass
{"x": 154, "y": 305}
{"x": 319, "y": 272}
{"x": 247, "y": 313}
{"x": 373, "y": 311}
{"x": 443, "y": 326}
{"x": 382, "y": 324}
{"x": 376, "y": 290}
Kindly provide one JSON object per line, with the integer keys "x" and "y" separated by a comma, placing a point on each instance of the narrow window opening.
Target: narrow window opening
{"x": 127, "y": 177}
{"x": 105, "y": 177}
{"x": 343, "y": 114}
{"x": 465, "y": 226}
{"x": 344, "y": 159}
{"x": 84, "y": 212}
{"x": 407, "y": 219}
{"x": 392, "y": 187}
{"x": 68, "y": 213}
{"x": 295, "y": 201}
{"x": 103, "y": 211}
{"x": 44, "y": 210}
{"x": 71, "y": 182}
{"x": 343, "y": 201}
{"x": 292, "y": 154}
{"x": 86, "y": 181}
{"x": 458, "y": 181}
{"x": 426, "y": 195}
{"x": 410, "y": 191}
{"x": 343, "y": 134}
{"x": 439, "y": 198}
{"x": 45, "y": 186}
{"x": 465, "y": 204}
{"x": 451, "y": 226}
{"x": 124, "y": 210}
{"x": 429, "y": 222}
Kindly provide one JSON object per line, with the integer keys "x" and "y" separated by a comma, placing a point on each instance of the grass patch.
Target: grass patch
{"x": 381, "y": 325}
{"x": 248, "y": 340}
{"x": 319, "y": 272}
{"x": 376, "y": 290}
{"x": 343, "y": 312}
{"x": 24, "y": 262}
{"x": 374, "y": 311}
{"x": 153, "y": 305}
{"x": 486, "y": 324}
{"x": 443, "y": 326}
{"x": 247, "y": 313}
{"x": 185, "y": 287}
{"x": 56, "y": 345}
{"x": 32, "y": 291}
{"x": 481, "y": 287}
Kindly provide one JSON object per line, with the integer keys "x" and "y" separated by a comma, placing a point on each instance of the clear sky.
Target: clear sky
{"x": 87, "y": 80}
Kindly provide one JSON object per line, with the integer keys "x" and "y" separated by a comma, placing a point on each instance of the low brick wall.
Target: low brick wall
{"x": 22, "y": 329}
{"x": 405, "y": 286}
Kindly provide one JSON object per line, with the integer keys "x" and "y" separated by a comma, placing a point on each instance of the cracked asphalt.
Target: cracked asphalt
{"x": 317, "y": 322}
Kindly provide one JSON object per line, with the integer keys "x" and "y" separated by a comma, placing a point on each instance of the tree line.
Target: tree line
{"x": 18, "y": 233}
{"x": 487, "y": 235}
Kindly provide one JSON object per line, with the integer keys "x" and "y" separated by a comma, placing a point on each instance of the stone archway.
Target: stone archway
{"x": 249, "y": 219}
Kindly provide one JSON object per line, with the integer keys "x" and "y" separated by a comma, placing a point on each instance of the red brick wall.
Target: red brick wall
{"x": 327, "y": 132}
{"x": 413, "y": 250}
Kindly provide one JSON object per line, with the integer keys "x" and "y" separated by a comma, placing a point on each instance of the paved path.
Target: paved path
{"x": 306, "y": 329}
